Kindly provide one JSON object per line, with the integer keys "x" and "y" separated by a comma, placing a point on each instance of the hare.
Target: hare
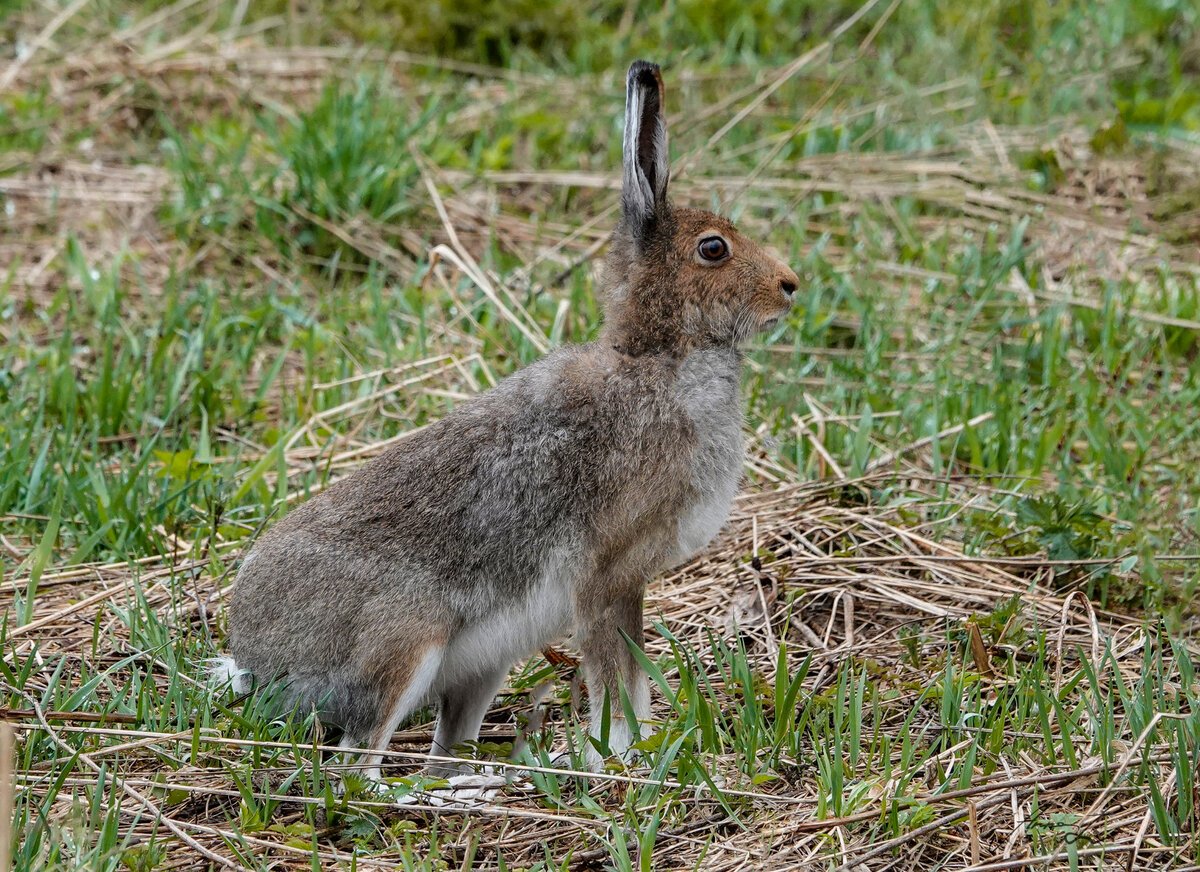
{"x": 540, "y": 508}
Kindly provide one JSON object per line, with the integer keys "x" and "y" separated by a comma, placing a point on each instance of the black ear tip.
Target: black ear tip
{"x": 644, "y": 73}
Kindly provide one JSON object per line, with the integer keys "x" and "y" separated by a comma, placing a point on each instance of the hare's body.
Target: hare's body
{"x": 537, "y": 509}
{"x": 478, "y": 540}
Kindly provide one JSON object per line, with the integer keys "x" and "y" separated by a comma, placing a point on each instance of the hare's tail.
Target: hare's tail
{"x": 223, "y": 674}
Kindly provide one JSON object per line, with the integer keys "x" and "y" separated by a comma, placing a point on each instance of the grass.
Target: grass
{"x": 952, "y": 623}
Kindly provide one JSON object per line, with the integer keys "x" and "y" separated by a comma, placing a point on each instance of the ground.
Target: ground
{"x": 952, "y": 623}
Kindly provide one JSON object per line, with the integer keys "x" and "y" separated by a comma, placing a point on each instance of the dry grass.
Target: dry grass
{"x": 839, "y": 578}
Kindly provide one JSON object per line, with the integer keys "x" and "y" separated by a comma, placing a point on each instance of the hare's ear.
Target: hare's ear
{"x": 644, "y": 192}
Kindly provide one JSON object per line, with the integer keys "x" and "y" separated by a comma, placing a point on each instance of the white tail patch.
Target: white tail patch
{"x": 223, "y": 674}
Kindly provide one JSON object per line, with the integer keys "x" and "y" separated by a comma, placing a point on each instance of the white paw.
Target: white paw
{"x": 620, "y": 745}
{"x": 593, "y": 760}
{"x": 477, "y": 779}
{"x": 463, "y": 790}
{"x": 597, "y": 762}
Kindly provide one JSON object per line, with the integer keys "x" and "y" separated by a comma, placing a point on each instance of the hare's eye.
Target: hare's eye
{"x": 713, "y": 248}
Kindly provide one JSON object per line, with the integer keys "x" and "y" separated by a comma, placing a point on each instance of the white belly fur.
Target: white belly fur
{"x": 708, "y": 392}
{"x": 519, "y": 629}
{"x": 704, "y": 521}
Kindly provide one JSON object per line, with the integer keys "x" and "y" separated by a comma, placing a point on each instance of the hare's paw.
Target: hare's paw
{"x": 620, "y": 747}
{"x": 463, "y": 790}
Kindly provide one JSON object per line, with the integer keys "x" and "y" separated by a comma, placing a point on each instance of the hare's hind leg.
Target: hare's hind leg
{"x": 610, "y": 668}
{"x": 410, "y": 685}
{"x": 462, "y": 706}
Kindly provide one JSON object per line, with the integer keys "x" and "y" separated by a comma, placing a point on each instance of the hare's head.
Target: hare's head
{"x": 679, "y": 279}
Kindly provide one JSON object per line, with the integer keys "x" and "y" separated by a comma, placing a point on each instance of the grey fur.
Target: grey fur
{"x": 461, "y": 708}
{"x": 539, "y": 508}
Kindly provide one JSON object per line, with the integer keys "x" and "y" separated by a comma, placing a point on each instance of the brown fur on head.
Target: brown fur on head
{"x": 679, "y": 279}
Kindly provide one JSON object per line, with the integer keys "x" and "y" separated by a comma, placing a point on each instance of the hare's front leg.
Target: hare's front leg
{"x": 610, "y": 668}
